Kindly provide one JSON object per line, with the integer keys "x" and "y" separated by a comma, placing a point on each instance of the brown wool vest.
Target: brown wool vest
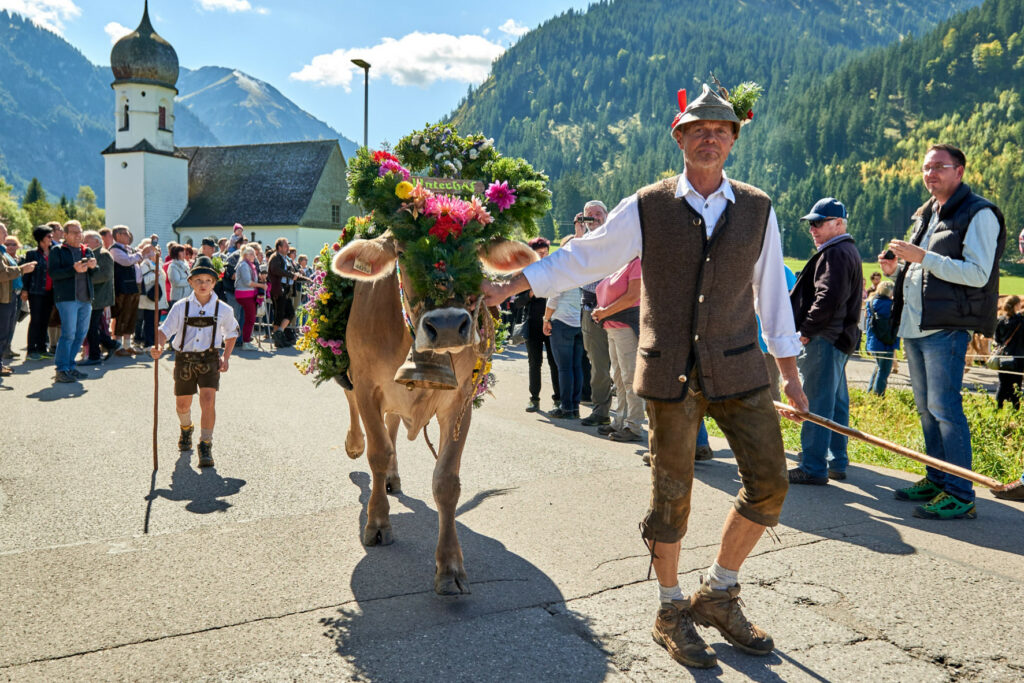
{"x": 696, "y": 301}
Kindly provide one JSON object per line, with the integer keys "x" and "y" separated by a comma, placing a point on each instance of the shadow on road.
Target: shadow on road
{"x": 834, "y": 510}
{"x": 59, "y": 391}
{"x": 400, "y": 630}
{"x": 203, "y": 489}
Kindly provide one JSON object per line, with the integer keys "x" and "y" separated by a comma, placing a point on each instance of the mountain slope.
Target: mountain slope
{"x": 240, "y": 109}
{"x": 56, "y": 111}
{"x": 588, "y": 96}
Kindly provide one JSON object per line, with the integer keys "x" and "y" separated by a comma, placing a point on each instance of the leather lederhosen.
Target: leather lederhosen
{"x": 194, "y": 369}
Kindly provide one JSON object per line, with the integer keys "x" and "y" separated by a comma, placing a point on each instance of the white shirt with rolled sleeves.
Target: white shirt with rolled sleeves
{"x": 198, "y": 338}
{"x": 617, "y": 242}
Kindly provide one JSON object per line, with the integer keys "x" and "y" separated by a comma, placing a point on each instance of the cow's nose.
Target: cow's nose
{"x": 430, "y": 330}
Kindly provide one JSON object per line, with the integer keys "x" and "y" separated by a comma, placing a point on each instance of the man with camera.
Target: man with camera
{"x": 71, "y": 269}
{"x": 946, "y": 288}
{"x": 595, "y": 339}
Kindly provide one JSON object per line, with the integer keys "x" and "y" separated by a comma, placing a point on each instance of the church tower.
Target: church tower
{"x": 146, "y": 176}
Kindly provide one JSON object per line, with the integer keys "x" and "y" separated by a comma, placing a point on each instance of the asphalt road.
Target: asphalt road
{"x": 254, "y": 570}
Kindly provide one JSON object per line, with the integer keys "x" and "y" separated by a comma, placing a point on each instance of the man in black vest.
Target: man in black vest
{"x": 710, "y": 248}
{"x": 947, "y": 288}
{"x": 826, "y": 308}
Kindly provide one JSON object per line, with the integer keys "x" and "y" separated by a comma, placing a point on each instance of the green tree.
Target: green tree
{"x": 43, "y": 212}
{"x": 12, "y": 215}
{"x": 34, "y": 193}
{"x": 91, "y": 216}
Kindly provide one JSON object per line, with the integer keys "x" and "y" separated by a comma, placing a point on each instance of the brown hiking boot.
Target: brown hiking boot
{"x": 721, "y": 609}
{"x": 185, "y": 439}
{"x": 205, "y": 454}
{"x": 674, "y": 631}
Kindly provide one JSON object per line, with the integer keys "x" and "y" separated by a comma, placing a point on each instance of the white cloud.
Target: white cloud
{"x": 415, "y": 59}
{"x": 50, "y": 14}
{"x": 513, "y": 28}
{"x": 116, "y": 31}
{"x": 231, "y": 6}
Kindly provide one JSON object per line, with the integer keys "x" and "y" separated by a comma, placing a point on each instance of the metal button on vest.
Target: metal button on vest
{"x": 700, "y": 299}
{"x": 696, "y": 337}
{"x": 708, "y": 259}
{"x": 682, "y": 378}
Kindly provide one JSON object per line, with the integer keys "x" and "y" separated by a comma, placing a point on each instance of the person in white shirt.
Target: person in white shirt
{"x": 199, "y": 326}
{"x": 711, "y": 258}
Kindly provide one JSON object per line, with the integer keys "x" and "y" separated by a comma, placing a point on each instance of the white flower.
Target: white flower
{"x": 458, "y": 164}
{"x": 473, "y": 154}
{"x": 424, "y": 149}
{"x": 488, "y": 143}
{"x": 438, "y": 155}
{"x": 415, "y": 140}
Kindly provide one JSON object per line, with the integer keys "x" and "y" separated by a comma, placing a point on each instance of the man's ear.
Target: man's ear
{"x": 366, "y": 259}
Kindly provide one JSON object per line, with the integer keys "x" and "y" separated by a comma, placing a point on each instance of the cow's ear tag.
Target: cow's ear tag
{"x": 363, "y": 267}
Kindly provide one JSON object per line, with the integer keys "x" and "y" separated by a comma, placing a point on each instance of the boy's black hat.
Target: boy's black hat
{"x": 203, "y": 266}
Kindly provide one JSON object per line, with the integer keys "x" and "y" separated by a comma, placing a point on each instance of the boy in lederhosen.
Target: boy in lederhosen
{"x": 199, "y": 325}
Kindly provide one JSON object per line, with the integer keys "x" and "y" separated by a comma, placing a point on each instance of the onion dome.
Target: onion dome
{"x": 144, "y": 57}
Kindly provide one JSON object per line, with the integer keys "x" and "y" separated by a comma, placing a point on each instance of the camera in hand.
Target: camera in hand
{"x": 586, "y": 219}
{"x": 888, "y": 255}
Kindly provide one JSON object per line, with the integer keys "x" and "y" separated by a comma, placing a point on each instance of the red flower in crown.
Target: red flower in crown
{"x": 441, "y": 265}
{"x": 380, "y": 156}
{"x": 444, "y": 226}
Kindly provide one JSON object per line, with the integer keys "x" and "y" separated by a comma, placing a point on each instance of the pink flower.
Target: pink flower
{"x": 418, "y": 197}
{"x": 446, "y": 205}
{"x": 392, "y": 166}
{"x": 478, "y": 212}
{"x": 501, "y": 194}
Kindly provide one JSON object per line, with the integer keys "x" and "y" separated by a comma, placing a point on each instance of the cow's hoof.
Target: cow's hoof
{"x": 355, "y": 444}
{"x": 393, "y": 482}
{"x": 451, "y": 582}
{"x": 377, "y": 535}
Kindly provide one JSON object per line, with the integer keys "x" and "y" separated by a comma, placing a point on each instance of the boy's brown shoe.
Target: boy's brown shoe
{"x": 721, "y": 609}
{"x": 185, "y": 440}
{"x": 205, "y": 454}
{"x": 674, "y": 631}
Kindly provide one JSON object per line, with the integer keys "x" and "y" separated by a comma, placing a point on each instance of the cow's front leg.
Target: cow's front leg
{"x": 450, "y": 575}
{"x": 355, "y": 444}
{"x": 378, "y": 452}
{"x": 393, "y": 482}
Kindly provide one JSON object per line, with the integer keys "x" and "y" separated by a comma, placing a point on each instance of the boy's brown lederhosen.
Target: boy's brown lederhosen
{"x": 196, "y": 369}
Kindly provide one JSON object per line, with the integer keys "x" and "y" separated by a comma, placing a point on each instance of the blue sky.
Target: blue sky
{"x": 424, "y": 55}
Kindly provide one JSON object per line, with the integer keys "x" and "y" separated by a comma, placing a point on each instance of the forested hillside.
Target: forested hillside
{"x": 588, "y": 96}
{"x": 861, "y": 133}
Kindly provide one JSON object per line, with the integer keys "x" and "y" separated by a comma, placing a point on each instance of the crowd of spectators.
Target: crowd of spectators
{"x": 89, "y": 296}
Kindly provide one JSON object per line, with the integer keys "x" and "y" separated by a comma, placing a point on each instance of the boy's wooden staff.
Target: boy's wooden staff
{"x": 156, "y": 361}
{"x": 894, "y": 447}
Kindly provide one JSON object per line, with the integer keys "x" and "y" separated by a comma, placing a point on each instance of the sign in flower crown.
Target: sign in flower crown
{"x": 442, "y": 197}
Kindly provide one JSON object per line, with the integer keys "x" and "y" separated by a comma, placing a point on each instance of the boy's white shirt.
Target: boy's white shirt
{"x": 198, "y": 338}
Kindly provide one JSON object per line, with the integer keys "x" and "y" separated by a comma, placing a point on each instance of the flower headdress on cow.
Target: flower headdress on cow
{"x": 440, "y": 231}
{"x": 719, "y": 104}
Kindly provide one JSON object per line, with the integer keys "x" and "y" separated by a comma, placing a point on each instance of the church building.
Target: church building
{"x": 295, "y": 189}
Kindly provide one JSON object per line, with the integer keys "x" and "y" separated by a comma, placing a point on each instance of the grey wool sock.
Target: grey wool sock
{"x": 669, "y": 593}
{"x": 185, "y": 419}
{"x": 206, "y": 435}
{"x": 720, "y": 578}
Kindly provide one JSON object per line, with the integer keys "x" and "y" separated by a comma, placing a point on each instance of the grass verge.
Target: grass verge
{"x": 997, "y": 436}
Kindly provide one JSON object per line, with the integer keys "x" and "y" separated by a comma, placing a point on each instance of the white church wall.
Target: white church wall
{"x": 143, "y": 102}
{"x": 124, "y": 181}
{"x": 166, "y": 192}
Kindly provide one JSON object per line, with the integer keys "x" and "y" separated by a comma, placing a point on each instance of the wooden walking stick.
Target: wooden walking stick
{"x": 156, "y": 361}
{"x": 894, "y": 447}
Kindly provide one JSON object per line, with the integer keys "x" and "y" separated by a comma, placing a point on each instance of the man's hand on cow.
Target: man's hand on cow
{"x": 494, "y": 292}
{"x": 910, "y": 253}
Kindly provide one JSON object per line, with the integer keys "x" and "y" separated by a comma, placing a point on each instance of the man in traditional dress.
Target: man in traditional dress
{"x": 711, "y": 256}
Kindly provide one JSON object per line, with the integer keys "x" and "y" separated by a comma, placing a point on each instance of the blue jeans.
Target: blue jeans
{"x": 936, "y": 365}
{"x": 880, "y": 377}
{"x": 702, "y": 435}
{"x": 823, "y": 375}
{"x": 567, "y": 343}
{"x": 74, "y": 325}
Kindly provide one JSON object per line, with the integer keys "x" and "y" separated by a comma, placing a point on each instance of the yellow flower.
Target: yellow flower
{"x": 323, "y": 318}
{"x": 403, "y": 189}
{"x": 325, "y": 297}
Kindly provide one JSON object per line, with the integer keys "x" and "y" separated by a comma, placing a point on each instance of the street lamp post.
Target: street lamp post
{"x": 365, "y": 66}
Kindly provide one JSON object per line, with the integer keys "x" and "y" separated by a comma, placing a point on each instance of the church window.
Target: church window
{"x": 124, "y": 118}
{"x": 163, "y": 118}
{"x": 336, "y": 214}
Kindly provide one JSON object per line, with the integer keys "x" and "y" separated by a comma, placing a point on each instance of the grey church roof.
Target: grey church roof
{"x": 269, "y": 184}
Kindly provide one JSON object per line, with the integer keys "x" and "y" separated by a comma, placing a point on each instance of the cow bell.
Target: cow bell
{"x": 427, "y": 370}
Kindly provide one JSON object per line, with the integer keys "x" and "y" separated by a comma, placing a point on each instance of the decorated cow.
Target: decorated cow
{"x": 395, "y": 314}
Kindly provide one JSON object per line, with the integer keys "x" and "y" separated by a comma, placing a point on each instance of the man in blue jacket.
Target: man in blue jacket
{"x": 71, "y": 268}
{"x": 826, "y": 302}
